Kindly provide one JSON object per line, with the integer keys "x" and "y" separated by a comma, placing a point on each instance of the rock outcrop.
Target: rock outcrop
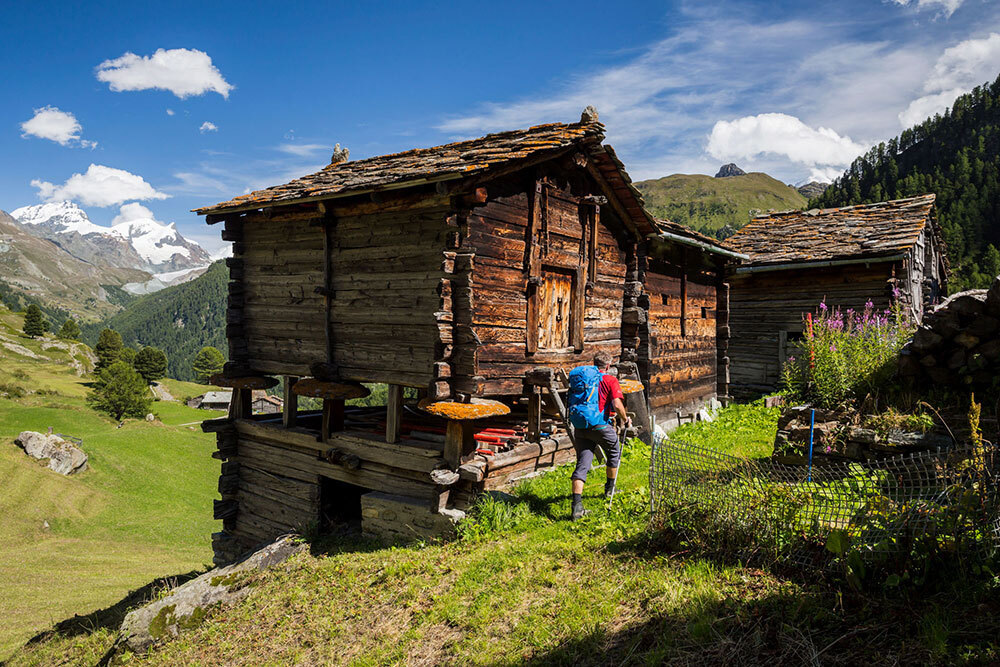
{"x": 958, "y": 344}
{"x": 62, "y": 456}
{"x": 812, "y": 189}
{"x": 187, "y": 605}
{"x": 730, "y": 169}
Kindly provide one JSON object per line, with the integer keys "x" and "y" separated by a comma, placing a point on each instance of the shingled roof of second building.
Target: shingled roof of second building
{"x": 866, "y": 230}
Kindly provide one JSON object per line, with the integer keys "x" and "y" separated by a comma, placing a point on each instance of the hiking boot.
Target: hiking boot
{"x": 609, "y": 488}
{"x": 579, "y": 512}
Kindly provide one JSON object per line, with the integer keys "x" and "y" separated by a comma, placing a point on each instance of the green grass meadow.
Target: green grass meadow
{"x": 522, "y": 584}
{"x": 142, "y": 511}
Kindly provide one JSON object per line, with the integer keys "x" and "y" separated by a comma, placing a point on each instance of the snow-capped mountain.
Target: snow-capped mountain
{"x": 161, "y": 246}
{"x": 135, "y": 239}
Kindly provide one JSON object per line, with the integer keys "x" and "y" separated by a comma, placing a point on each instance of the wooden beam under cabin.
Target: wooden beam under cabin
{"x": 290, "y": 406}
{"x": 394, "y": 413}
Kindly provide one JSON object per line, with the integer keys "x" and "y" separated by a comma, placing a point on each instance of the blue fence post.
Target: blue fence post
{"x": 812, "y": 424}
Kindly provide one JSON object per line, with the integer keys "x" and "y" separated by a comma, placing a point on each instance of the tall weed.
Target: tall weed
{"x": 846, "y": 355}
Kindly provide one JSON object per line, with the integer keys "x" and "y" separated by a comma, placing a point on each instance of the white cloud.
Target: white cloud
{"x": 957, "y": 71}
{"x": 133, "y": 211}
{"x": 170, "y": 112}
{"x": 208, "y": 126}
{"x": 303, "y": 150}
{"x": 783, "y": 135}
{"x": 661, "y": 102}
{"x": 99, "y": 186}
{"x": 52, "y": 123}
{"x": 823, "y": 175}
{"x": 924, "y": 107}
{"x": 184, "y": 72}
{"x": 946, "y": 7}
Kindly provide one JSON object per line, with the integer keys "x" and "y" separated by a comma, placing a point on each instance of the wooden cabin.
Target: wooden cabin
{"x": 843, "y": 256}
{"x": 465, "y": 277}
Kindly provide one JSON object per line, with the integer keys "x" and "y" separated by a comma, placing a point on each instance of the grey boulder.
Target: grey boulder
{"x": 63, "y": 457}
{"x": 187, "y": 604}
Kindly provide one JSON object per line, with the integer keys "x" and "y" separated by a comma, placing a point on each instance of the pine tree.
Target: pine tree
{"x": 128, "y": 355}
{"x": 108, "y": 349}
{"x": 151, "y": 364}
{"x": 121, "y": 392}
{"x": 208, "y": 362}
{"x": 990, "y": 264}
{"x": 34, "y": 324}
{"x": 70, "y": 330}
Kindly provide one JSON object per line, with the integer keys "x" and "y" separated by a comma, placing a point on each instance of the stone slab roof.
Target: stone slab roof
{"x": 462, "y": 159}
{"x": 420, "y": 165}
{"x": 868, "y": 230}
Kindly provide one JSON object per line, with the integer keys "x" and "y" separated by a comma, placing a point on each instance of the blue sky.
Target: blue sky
{"x": 178, "y": 105}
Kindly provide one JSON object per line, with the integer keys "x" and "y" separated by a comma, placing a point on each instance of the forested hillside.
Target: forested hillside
{"x": 717, "y": 206}
{"x": 179, "y": 320}
{"x": 956, "y": 156}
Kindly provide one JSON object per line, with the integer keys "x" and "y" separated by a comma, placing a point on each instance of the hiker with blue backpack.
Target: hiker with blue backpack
{"x": 595, "y": 397}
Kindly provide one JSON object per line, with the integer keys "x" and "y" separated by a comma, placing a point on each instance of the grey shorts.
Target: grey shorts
{"x": 587, "y": 440}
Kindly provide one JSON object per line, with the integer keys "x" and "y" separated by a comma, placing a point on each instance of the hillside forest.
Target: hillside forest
{"x": 955, "y": 155}
{"x": 179, "y": 320}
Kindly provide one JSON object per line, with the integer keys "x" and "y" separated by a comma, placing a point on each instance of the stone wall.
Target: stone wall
{"x": 958, "y": 344}
{"x": 836, "y": 437}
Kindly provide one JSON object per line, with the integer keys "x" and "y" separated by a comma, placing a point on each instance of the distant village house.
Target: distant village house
{"x": 220, "y": 400}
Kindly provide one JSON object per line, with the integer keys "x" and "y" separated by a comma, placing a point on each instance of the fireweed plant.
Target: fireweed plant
{"x": 846, "y": 355}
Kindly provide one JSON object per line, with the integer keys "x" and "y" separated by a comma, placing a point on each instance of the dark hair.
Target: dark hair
{"x": 603, "y": 359}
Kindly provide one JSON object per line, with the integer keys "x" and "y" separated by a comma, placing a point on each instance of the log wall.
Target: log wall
{"x": 767, "y": 310}
{"x": 499, "y": 234}
{"x": 679, "y": 348}
{"x": 386, "y": 286}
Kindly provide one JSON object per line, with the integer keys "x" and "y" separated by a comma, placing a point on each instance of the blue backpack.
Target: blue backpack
{"x": 584, "y": 412}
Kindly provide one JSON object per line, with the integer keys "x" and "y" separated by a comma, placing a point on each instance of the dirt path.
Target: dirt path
{"x": 160, "y": 390}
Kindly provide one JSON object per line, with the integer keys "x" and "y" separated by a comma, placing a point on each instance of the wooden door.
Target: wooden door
{"x": 555, "y": 311}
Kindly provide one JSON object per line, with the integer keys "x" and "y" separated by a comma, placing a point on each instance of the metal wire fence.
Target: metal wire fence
{"x": 810, "y": 515}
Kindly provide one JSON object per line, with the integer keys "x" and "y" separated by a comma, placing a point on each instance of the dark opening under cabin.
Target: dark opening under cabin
{"x": 467, "y": 277}
{"x": 843, "y": 256}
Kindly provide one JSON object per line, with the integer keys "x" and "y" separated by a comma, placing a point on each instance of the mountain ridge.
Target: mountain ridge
{"x": 37, "y": 270}
{"x": 134, "y": 240}
{"x": 717, "y": 205}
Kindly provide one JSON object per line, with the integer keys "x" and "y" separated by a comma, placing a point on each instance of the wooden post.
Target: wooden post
{"x": 290, "y": 409}
{"x": 458, "y": 441}
{"x": 534, "y": 413}
{"x": 684, "y": 294}
{"x": 333, "y": 416}
{"x": 393, "y": 413}
{"x": 241, "y": 404}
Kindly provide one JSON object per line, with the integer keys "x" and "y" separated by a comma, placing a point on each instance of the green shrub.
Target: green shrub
{"x": 21, "y": 374}
{"x": 12, "y": 390}
{"x": 846, "y": 355}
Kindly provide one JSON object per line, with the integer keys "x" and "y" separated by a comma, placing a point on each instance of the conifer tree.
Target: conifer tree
{"x": 108, "y": 349}
{"x": 70, "y": 330}
{"x": 121, "y": 392}
{"x": 128, "y": 355}
{"x": 151, "y": 364}
{"x": 34, "y": 324}
{"x": 208, "y": 362}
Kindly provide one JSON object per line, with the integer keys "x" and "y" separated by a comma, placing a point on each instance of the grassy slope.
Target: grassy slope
{"x": 527, "y": 586}
{"x": 707, "y": 203}
{"x": 142, "y": 511}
